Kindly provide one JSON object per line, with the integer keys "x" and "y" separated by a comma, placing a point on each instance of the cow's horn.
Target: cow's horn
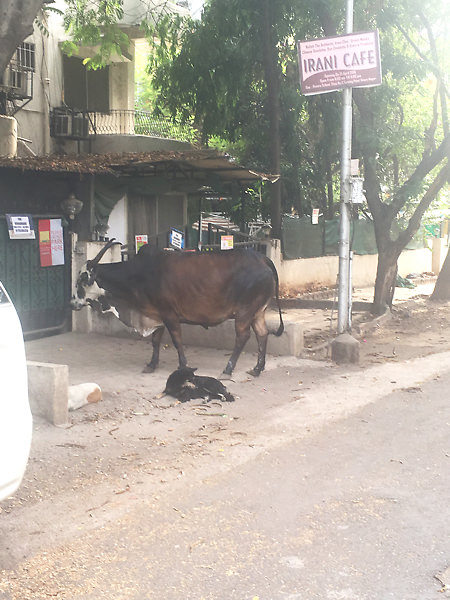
{"x": 102, "y": 252}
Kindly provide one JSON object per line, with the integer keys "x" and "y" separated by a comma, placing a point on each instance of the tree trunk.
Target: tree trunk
{"x": 16, "y": 23}
{"x": 270, "y": 58}
{"x": 385, "y": 281}
{"x": 441, "y": 291}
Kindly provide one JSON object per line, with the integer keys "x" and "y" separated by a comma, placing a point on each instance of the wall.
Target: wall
{"x": 8, "y": 136}
{"x": 306, "y": 273}
{"x": 103, "y": 144}
{"x": 122, "y": 84}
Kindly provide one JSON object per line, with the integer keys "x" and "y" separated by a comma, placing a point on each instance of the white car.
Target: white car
{"x": 15, "y": 414}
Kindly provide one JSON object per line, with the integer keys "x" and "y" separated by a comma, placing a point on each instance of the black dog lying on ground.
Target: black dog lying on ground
{"x": 183, "y": 385}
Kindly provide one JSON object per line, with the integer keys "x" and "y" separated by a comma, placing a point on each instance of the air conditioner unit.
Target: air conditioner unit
{"x": 61, "y": 125}
{"x": 80, "y": 126}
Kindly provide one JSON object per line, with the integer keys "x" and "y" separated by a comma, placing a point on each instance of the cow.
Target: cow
{"x": 158, "y": 289}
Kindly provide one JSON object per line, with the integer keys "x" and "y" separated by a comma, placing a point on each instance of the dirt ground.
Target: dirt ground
{"x": 415, "y": 327}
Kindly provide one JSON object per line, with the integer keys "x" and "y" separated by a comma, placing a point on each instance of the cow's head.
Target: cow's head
{"x": 87, "y": 290}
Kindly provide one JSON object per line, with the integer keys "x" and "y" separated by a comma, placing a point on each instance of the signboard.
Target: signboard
{"x": 315, "y": 216}
{"x": 357, "y": 196}
{"x": 51, "y": 242}
{"x": 20, "y": 227}
{"x": 338, "y": 62}
{"x": 226, "y": 242}
{"x": 140, "y": 240}
{"x": 176, "y": 239}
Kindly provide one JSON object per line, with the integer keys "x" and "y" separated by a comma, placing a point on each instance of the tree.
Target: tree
{"x": 401, "y": 128}
{"x": 441, "y": 292}
{"x": 235, "y": 72}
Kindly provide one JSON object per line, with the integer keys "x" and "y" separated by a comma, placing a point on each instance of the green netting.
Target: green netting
{"x": 362, "y": 237}
{"x": 301, "y": 239}
{"x": 331, "y": 233}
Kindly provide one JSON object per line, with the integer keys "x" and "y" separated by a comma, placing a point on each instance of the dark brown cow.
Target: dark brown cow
{"x": 167, "y": 288}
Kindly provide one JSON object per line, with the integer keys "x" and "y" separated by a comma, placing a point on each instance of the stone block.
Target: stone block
{"x": 48, "y": 391}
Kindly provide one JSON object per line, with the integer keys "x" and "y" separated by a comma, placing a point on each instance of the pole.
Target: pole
{"x": 344, "y": 225}
{"x": 200, "y": 221}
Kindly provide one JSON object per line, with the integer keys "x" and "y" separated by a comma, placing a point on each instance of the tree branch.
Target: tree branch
{"x": 430, "y": 195}
{"x": 426, "y": 165}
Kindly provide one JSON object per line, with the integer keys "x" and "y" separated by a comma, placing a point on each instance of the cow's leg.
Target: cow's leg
{"x": 260, "y": 328}
{"x": 174, "y": 328}
{"x": 156, "y": 343}
{"x": 242, "y": 329}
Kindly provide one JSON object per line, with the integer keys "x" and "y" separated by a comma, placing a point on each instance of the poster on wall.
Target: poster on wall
{"x": 51, "y": 242}
{"x": 20, "y": 227}
{"x": 176, "y": 239}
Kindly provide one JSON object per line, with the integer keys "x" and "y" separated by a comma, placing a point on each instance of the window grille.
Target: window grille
{"x": 26, "y": 56}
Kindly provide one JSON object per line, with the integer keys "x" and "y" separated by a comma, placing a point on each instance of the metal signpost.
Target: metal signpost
{"x": 341, "y": 63}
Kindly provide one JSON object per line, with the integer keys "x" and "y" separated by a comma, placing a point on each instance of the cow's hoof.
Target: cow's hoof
{"x": 225, "y": 376}
{"x": 254, "y": 372}
{"x": 148, "y": 369}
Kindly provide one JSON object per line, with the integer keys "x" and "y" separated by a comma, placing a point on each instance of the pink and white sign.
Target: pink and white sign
{"x": 51, "y": 242}
{"x": 338, "y": 62}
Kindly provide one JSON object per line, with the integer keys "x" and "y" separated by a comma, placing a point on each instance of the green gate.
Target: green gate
{"x": 40, "y": 294}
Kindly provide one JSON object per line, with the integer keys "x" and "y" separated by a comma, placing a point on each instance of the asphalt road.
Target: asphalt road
{"x": 354, "y": 507}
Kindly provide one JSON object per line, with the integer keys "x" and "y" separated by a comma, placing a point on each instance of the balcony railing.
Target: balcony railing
{"x": 79, "y": 125}
{"x": 138, "y": 122}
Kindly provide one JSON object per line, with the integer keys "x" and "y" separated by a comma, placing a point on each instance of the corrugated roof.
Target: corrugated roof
{"x": 141, "y": 164}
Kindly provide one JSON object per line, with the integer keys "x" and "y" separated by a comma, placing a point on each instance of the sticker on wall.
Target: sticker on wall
{"x": 20, "y": 227}
{"x": 51, "y": 242}
{"x": 226, "y": 242}
{"x": 140, "y": 240}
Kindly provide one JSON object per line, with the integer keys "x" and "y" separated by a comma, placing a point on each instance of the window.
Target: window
{"x": 25, "y": 56}
{"x": 85, "y": 89}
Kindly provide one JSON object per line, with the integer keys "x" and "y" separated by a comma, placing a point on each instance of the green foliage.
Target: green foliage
{"x": 212, "y": 71}
{"x": 95, "y": 25}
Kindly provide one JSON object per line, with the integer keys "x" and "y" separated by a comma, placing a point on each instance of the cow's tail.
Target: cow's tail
{"x": 277, "y": 296}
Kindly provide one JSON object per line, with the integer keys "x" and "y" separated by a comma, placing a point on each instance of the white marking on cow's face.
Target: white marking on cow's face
{"x": 87, "y": 290}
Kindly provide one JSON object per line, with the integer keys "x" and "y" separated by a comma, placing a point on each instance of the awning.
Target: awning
{"x": 192, "y": 164}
